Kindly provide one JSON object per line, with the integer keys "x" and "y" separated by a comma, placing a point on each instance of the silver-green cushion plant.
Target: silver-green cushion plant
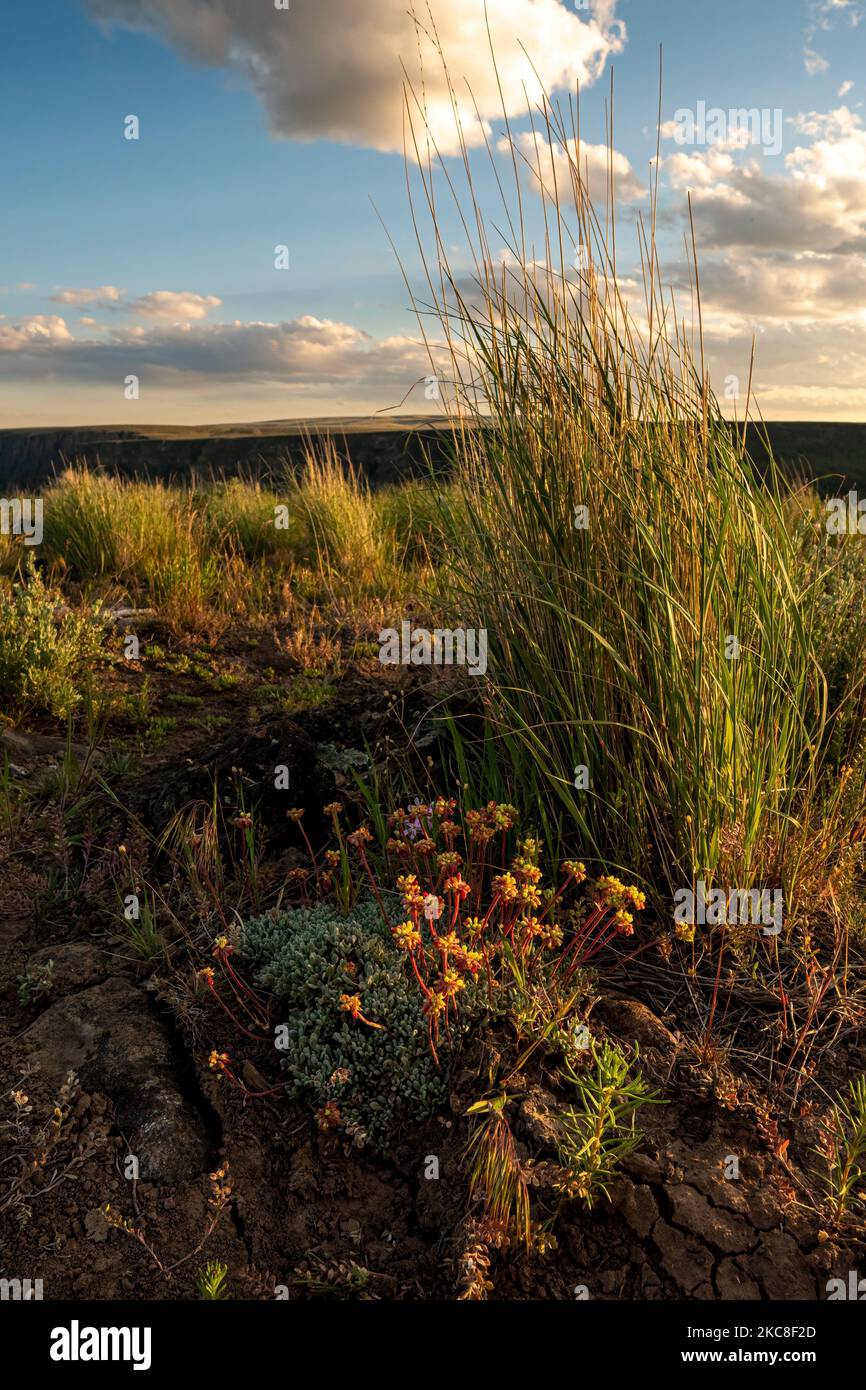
{"x": 379, "y": 1079}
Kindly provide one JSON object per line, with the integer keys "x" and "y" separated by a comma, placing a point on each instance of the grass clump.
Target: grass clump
{"x": 205, "y": 554}
{"x": 334, "y": 529}
{"x": 367, "y": 1068}
{"x": 652, "y": 617}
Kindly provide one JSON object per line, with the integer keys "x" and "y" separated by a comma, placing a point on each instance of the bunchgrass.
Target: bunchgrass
{"x": 653, "y": 614}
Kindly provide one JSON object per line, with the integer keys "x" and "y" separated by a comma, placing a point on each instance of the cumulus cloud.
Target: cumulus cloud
{"x": 306, "y": 352}
{"x": 332, "y": 69}
{"x": 172, "y": 306}
{"x": 33, "y": 334}
{"x": 781, "y": 259}
{"x": 782, "y": 288}
{"x": 817, "y": 205}
{"x": 176, "y": 307}
{"x": 707, "y": 169}
{"x": 550, "y": 165}
{"x": 106, "y": 294}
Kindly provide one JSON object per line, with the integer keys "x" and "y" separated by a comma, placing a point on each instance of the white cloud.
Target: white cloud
{"x": 106, "y": 294}
{"x": 551, "y": 165}
{"x": 175, "y": 307}
{"x": 703, "y": 169}
{"x": 845, "y": 88}
{"x": 172, "y": 306}
{"x": 817, "y": 205}
{"x": 34, "y": 333}
{"x": 331, "y": 69}
{"x": 781, "y": 258}
{"x": 814, "y": 63}
{"x": 304, "y": 353}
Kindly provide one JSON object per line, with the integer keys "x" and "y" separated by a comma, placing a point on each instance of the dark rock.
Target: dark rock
{"x": 641, "y": 1166}
{"x": 637, "y": 1206}
{"x": 733, "y": 1283}
{"x": 76, "y": 965}
{"x": 633, "y": 1022}
{"x": 113, "y": 1040}
{"x": 538, "y": 1112}
{"x": 779, "y": 1266}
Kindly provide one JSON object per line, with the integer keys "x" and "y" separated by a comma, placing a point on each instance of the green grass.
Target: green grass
{"x": 202, "y": 556}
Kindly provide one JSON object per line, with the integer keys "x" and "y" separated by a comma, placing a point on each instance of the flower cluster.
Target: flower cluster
{"x": 465, "y": 916}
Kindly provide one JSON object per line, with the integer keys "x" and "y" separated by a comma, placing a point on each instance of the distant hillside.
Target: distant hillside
{"x": 385, "y": 450}
{"x": 833, "y": 454}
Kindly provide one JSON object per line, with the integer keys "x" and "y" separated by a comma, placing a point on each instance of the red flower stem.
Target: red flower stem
{"x": 223, "y": 957}
{"x": 254, "y": 1015}
{"x": 228, "y": 1011}
{"x": 417, "y": 974}
{"x": 369, "y": 872}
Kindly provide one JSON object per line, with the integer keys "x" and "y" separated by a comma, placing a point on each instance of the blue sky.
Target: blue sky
{"x": 236, "y": 155}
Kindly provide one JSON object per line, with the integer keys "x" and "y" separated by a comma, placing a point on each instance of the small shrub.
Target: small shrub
{"x": 497, "y": 933}
{"x": 366, "y": 1065}
{"x": 45, "y": 647}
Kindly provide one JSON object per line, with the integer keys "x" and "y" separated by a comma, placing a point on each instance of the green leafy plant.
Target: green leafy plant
{"x": 601, "y": 1130}
{"x": 35, "y": 982}
{"x": 144, "y": 933}
{"x": 211, "y": 1280}
{"x": 335, "y": 1279}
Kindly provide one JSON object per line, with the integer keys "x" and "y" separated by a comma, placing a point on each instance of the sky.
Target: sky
{"x": 140, "y": 280}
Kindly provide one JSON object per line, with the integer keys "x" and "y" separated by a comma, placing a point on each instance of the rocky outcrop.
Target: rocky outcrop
{"x": 118, "y": 1045}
